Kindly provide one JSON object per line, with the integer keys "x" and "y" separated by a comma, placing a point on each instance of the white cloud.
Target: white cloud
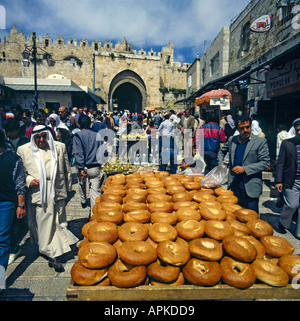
{"x": 187, "y": 23}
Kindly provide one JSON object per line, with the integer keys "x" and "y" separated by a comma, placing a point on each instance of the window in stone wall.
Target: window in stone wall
{"x": 46, "y": 42}
{"x": 245, "y": 41}
{"x": 215, "y": 64}
{"x": 285, "y": 14}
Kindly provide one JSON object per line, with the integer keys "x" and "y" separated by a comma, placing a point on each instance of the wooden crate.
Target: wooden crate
{"x": 182, "y": 292}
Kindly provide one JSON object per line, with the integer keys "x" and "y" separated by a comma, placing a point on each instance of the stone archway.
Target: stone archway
{"x": 128, "y": 90}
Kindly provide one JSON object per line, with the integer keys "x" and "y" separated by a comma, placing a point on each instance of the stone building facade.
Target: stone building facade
{"x": 109, "y": 69}
{"x": 261, "y": 65}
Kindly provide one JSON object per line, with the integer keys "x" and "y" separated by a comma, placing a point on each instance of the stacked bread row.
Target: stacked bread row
{"x": 163, "y": 229}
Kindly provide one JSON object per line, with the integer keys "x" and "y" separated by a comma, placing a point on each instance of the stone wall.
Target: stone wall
{"x": 76, "y": 61}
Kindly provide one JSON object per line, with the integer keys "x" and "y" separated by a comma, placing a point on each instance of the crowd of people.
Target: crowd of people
{"x": 38, "y": 149}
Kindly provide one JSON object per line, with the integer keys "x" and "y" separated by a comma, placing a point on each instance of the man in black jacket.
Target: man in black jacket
{"x": 288, "y": 179}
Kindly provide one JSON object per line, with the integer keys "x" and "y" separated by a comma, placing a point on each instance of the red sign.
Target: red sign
{"x": 262, "y": 24}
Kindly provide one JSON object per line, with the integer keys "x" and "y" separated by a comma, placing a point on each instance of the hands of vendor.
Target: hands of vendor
{"x": 34, "y": 183}
{"x": 82, "y": 174}
{"x": 238, "y": 170}
{"x": 279, "y": 187}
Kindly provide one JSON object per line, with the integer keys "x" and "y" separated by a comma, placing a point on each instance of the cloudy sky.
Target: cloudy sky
{"x": 144, "y": 23}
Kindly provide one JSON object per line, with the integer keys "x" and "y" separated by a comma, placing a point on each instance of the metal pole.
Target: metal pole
{"x": 34, "y": 52}
{"x": 94, "y": 73}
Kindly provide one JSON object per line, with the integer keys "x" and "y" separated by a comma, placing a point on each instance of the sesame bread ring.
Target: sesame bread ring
{"x": 108, "y": 206}
{"x": 270, "y": 273}
{"x": 217, "y": 230}
{"x": 173, "y": 253}
{"x": 190, "y": 229}
{"x": 137, "y": 252}
{"x": 231, "y": 208}
{"x": 171, "y": 182}
{"x": 96, "y": 255}
{"x": 222, "y": 191}
{"x": 133, "y": 185}
{"x": 239, "y": 248}
{"x": 189, "y": 204}
{"x": 291, "y": 265}
{"x": 150, "y": 183}
{"x": 192, "y": 185}
{"x": 259, "y": 228}
{"x": 162, "y": 273}
{"x": 239, "y": 229}
{"x": 227, "y": 199}
{"x": 185, "y": 213}
{"x": 198, "y": 178}
{"x": 141, "y": 216}
{"x": 123, "y": 275}
{"x": 185, "y": 178}
{"x": 109, "y": 216}
{"x": 202, "y": 273}
{"x": 162, "y": 174}
{"x": 207, "y": 190}
{"x": 277, "y": 246}
{"x": 183, "y": 196}
{"x": 114, "y": 191}
{"x": 137, "y": 190}
{"x": 159, "y": 197}
{"x": 174, "y": 189}
{"x": 83, "y": 276}
{"x": 159, "y": 232}
{"x": 133, "y": 231}
{"x": 156, "y": 190}
{"x": 206, "y": 249}
{"x": 179, "y": 281}
{"x": 260, "y": 249}
{"x": 134, "y": 197}
{"x": 210, "y": 213}
{"x": 162, "y": 217}
{"x": 133, "y": 206}
{"x": 109, "y": 198}
{"x": 103, "y": 232}
{"x": 146, "y": 176}
{"x": 210, "y": 204}
{"x": 86, "y": 226}
{"x": 160, "y": 206}
{"x": 244, "y": 215}
{"x": 236, "y": 273}
{"x": 134, "y": 180}
{"x": 203, "y": 197}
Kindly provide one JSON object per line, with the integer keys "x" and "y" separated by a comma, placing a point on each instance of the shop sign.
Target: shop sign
{"x": 283, "y": 79}
{"x": 262, "y": 24}
{"x": 223, "y": 102}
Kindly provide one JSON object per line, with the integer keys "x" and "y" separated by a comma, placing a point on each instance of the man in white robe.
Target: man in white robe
{"x": 48, "y": 178}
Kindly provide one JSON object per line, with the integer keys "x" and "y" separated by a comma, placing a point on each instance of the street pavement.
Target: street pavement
{"x": 29, "y": 278}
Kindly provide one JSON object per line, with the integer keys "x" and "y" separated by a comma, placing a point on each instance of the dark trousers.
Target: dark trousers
{"x": 211, "y": 161}
{"x": 168, "y": 154}
{"x": 238, "y": 188}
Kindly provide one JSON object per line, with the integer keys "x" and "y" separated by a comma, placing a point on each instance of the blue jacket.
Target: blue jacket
{"x": 86, "y": 144}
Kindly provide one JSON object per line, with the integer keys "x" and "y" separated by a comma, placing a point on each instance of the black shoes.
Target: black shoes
{"x": 280, "y": 228}
{"x": 56, "y": 264}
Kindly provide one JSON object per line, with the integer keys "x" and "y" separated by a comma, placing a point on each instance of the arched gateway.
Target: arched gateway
{"x": 128, "y": 91}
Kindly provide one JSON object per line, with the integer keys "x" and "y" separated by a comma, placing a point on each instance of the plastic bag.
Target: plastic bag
{"x": 215, "y": 177}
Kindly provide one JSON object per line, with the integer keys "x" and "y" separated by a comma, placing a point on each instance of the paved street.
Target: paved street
{"x": 30, "y": 278}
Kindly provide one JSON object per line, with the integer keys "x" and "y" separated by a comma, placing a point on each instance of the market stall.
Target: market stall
{"x": 156, "y": 236}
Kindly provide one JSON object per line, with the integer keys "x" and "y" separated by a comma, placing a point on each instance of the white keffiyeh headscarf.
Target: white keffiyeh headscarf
{"x": 41, "y": 164}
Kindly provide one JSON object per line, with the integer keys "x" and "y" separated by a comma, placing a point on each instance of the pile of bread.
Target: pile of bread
{"x": 163, "y": 229}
